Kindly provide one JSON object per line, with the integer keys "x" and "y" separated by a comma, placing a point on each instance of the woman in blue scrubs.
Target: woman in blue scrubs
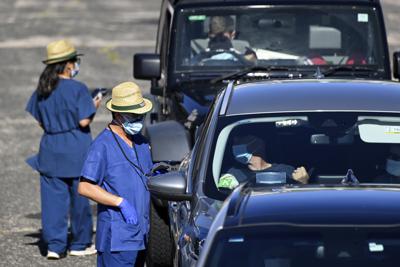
{"x": 115, "y": 175}
{"x": 64, "y": 109}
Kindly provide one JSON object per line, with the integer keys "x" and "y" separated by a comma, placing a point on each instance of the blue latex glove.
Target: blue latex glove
{"x": 128, "y": 212}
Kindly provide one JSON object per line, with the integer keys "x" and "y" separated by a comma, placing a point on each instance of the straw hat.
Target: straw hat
{"x": 59, "y": 51}
{"x": 127, "y": 98}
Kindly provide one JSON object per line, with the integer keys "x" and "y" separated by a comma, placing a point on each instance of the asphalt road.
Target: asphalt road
{"x": 108, "y": 33}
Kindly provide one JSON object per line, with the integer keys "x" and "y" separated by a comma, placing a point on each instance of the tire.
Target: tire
{"x": 159, "y": 251}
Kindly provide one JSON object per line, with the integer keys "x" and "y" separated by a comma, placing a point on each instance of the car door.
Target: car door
{"x": 162, "y": 44}
{"x": 188, "y": 234}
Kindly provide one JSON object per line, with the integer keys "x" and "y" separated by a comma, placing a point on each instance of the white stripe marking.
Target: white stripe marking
{"x": 42, "y": 41}
{"x": 32, "y": 121}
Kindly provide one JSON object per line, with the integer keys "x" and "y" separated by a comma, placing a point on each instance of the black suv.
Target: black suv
{"x": 264, "y": 132}
{"x": 316, "y": 226}
{"x": 289, "y": 39}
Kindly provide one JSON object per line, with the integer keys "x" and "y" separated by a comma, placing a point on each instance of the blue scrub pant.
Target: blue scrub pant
{"x": 116, "y": 259}
{"x": 60, "y": 200}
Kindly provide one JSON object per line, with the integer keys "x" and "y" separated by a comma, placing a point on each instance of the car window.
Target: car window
{"x": 326, "y": 147}
{"x": 278, "y": 35}
{"x": 202, "y": 135}
{"x": 326, "y": 248}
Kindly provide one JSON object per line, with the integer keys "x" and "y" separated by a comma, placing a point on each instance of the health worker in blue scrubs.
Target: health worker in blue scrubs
{"x": 115, "y": 176}
{"x": 64, "y": 109}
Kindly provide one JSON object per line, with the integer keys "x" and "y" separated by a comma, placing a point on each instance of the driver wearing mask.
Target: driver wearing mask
{"x": 250, "y": 151}
{"x": 220, "y": 36}
{"x": 115, "y": 175}
{"x": 221, "y": 33}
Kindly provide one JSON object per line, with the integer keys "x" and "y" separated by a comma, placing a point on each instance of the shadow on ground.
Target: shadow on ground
{"x": 39, "y": 243}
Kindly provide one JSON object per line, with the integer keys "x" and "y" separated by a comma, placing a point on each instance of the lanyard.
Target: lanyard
{"x": 139, "y": 171}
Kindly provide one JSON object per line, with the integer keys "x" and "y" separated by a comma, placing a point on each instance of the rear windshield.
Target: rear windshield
{"x": 351, "y": 247}
{"x": 298, "y": 35}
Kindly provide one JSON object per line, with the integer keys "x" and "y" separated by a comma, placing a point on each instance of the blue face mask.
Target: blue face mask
{"x": 75, "y": 71}
{"x": 241, "y": 154}
{"x": 132, "y": 126}
{"x": 393, "y": 167}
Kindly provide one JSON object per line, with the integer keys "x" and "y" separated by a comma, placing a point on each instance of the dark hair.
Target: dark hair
{"x": 113, "y": 113}
{"x": 255, "y": 145}
{"x": 48, "y": 80}
{"x": 221, "y": 24}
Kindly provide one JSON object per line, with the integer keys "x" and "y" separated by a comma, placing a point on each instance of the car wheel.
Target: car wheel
{"x": 159, "y": 251}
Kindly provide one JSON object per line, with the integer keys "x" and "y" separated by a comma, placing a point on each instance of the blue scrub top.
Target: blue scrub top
{"x": 106, "y": 166}
{"x": 64, "y": 144}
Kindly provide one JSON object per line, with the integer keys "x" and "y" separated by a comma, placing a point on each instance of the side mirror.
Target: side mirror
{"x": 396, "y": 63}
{"x": 169, "y": 186}
{"x": 146, "y": 66}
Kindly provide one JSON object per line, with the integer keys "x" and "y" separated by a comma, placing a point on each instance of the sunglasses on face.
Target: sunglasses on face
{"x": 132, "y": 117}
{"x": 77, "y": 60}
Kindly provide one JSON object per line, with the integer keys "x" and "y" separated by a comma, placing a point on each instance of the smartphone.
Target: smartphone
{"x": 99, "y": 92}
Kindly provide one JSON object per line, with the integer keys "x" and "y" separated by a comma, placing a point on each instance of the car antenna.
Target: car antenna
{"x": 318, "y": 74}
{"x": 350, "y": 178}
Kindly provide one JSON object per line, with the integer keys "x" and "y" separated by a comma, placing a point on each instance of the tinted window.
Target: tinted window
{"x": 298, "y": 35}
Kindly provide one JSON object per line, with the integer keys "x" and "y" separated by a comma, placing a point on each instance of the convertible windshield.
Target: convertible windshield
{"x": 321, "y": 148}
{"x": 297, "y": 35}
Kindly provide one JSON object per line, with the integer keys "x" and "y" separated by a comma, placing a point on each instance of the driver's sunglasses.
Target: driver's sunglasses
{"x": 133, "y": 117}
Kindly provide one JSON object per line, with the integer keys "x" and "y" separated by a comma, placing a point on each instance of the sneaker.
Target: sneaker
{"x": 88, "y": 251}
{"x": 51, "y": 255}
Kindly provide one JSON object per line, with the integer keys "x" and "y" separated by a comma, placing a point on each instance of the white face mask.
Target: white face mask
{"x": 241, "y": 154}
{"x": 130, "y": 126}
{"x": 393, "y": 167}
{"x": 75, "y": 70}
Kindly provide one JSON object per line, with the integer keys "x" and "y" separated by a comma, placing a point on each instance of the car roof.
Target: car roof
{"x": 214, "y": 2}
{"x": 322, "y": 206}
{"x": 291, "y": 96}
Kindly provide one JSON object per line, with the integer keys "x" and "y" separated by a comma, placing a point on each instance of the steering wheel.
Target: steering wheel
{"x": 220, "y": 57}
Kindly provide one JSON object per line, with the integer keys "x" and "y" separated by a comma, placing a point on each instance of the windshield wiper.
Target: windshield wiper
{"x": 347, "y": 68}
{"x": 242, "y": 73}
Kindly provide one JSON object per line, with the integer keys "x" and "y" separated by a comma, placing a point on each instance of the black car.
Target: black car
{"x": 343, "y": 225}
{"x": 201, "y": 44}
{"x": 330, "y": 130}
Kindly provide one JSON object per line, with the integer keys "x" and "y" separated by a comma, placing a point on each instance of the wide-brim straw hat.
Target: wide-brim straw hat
{"x": 127, "y": 98}
{"x": 59, "y": 51}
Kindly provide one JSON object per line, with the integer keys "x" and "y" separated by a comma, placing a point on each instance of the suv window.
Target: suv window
{"x": 297, "y": 35}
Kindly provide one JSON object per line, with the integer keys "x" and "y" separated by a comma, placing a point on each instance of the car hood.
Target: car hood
{"x": 197, "y": 95}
